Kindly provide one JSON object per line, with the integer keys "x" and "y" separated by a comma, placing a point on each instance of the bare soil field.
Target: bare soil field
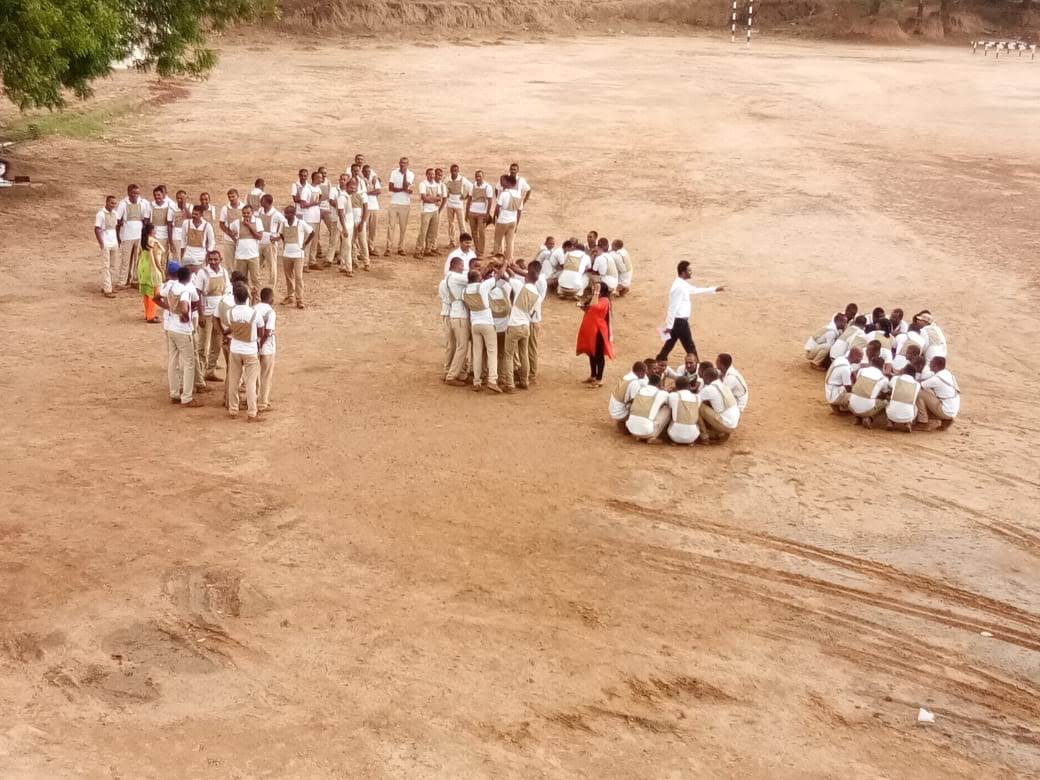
{"x": 394, "y": 578}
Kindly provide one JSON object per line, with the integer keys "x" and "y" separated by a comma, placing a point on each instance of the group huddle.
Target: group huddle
{"x": 696, "y": 402}
{"x": 884, "y": 367}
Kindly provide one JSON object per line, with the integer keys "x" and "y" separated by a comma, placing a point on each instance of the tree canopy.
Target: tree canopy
{"x": 47, "y": 46}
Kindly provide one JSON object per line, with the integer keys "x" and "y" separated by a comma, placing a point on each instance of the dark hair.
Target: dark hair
{"x": 861, "y": 321}
{"x": 465, "y": 237}
{"x": 710, "y": 374}
{"x": 183, "y": 274}
{"x": 638, "y": 366}
{"x": 146, "y": 231}
{"x": 683, "y": 266}
{"x": 604, "y": 290}
{"x": 655, "y": 380}
{"x": 940, "y": 361}
{"x": 535, "y": 266}
{"x": 267, "y": 295}
{"x": 682, "y": 383}
{"x": 726, "y": 359}
{"x": 241, "y": 292}
{"x": 237, "y": 277}
{"x": 877, "y": 362}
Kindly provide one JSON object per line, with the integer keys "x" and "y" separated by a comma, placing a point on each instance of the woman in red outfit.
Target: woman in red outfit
{"x": 594, "y": 336}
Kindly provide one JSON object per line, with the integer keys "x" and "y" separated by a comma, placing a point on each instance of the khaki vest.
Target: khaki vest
{"x": 196, "y": 236}
{"x": 210, "y": 215}
{"x": 247, "y": 230}
{"x": 858, "y": 340}
{"x": 479, "y": 194}
{"x": 110, "y": 220}
{"x": 291, "y": 233}
{"x": 621, "y": 389}
{"x": 357, "y": 200}
{"x": 886, "y": 341}
{"x": 688, "y": 412}
{"x": 572, "y": 262}
{"x": 515, "y": 202}
{"x": 935, "y": 338}
{"x": 216, "y": 285}
{"x": 738, "y": 376}
{"x": 473, "y": 301}
{"x": 728, "y": 399}
{"x": 612, "y": 267}
{"x": 133, "y": 212}
{"x": 454, "y": 186}
{"x": 864, "y": 386}
{"x": 323, "y": 192}
{"x": 642, "y": 404}
{"x": 500, "y": 307}
{"x": 904, "y": 392}
{"x": 265, "y": 220}
{"x": 622, "y": 262}
{"x": 242, "y": 331}
{"x": 253, "y": 200}
{"x": 160, "y": 216}
{"x": 174, "y": 302}
{"x": 849, "y": 332}
{"x": 526, "y": 300}
{"x": 233, "y": 214}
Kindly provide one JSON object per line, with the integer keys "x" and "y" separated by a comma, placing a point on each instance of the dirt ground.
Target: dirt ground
{"x": 394, "y": 578}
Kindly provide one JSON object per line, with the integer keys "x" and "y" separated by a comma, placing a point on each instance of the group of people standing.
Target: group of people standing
{"x": 883, "y": 366}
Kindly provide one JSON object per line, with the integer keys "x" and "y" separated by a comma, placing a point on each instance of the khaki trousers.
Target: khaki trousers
{"x": 266, "y": 377}
{"x": 504, "y": 235}
{"x": 371, "y": 222}
{"x": 460, "y": 335}
{"x": 664, "y": 415}
{"x": 449, "y": 342}
{"x": 208, "y": 341}
{"x": 879, "y": 408}
{"x": 478, "y": 229}
{"x": 710, "y": 423}
{"x": 109, "y": 268}
{"x": 484, "y": 343}
{"x": 842, "y": 404}
{"x": 292, "y": 269}
{"x": 427, "y": 238}
{"x": 398, "y": 218}
{"x": 269, "y": 266}
{"x": 180, "y": 365}
{"x": 930, "y": 405}
{"x": 312, "y": 247}
{"x": 330, "y": 219}
{"x": 196, "y": 356}
{"x": 818, "y": 355}
{"x": 517, "y": 340}
{"x": 359, "y": 245}
{"x": 532, "y": 349}
{"x": 241, "y": 367}
{"x": 456, "y": 223}
{"x": 128, "y": 251}
{"x": 250, "y": 266}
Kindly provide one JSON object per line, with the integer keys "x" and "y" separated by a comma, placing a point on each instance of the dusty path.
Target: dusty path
{"x": 395, "y": 578}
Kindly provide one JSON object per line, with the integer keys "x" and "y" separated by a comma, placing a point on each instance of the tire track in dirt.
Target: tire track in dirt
{"x": 1025, "y": 540}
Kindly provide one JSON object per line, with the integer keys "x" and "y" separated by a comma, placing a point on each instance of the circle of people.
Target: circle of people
{"x": 886, "y": 368}
{"x": 168, "y": 249}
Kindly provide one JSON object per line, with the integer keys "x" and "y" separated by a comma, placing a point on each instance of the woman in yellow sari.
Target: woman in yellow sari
{"x": 149, "y": 273}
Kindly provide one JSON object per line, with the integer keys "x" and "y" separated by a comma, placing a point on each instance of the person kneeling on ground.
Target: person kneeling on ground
{"x": 866, "y": 401}
{"x": 624, "y": 391}
{"x": 838, "y": 384}
{"x": 940, "y": 396}
{"x": 818, "y": 346}
{"x": 649, "y": 413}
{"x": 733, "y": 379}
{"x": 685, "y": 408}
{"x": 902, "y": 406}
{"x": 719, "y": 412}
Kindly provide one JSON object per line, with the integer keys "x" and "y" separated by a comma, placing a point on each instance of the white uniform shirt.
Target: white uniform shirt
{"x": 247, "y": 247}
{"x": 296, "y": 191}
{"x": 712, "y": 395}
{"x": 682, "y": 433}
{"x": 295, "y": 251}
{"x": 554, "y": 263}
{"x": 442, "y": 291}
{"x": 576, "y": 280}
{"x": 735, "y": 381}
{"x": 196, "y": 255}
{"x": 618, "y": 410}
{"x": 430, "y": 189}
{"x": 679, "y": 306}
{"x": 840, "y": 347}
{"x": 184, "y": 292}
{"x": 624, "y": 261}
{"x": 131, "y": 230}
{"x": 267, "y": 316}
{"x": 108, "y": 235}
{"x": 505, "y": 215}
{"x": 839, "y": 377}
{"x": 644, "y": 426}
{"x": 243, "y": 312}
{"x": 861, "y": 405}
{"x": 311, "y": 194}
{"x": 466, "y": 257}
{"x": 945, "y": 387}
{"x": 373, "y": 183}
{"x": 482, "y": 317}
{"x": 276, "y": 219}
{"x": 830, "y": 333}
{"x": 162, "y": 231}
{"x": 542, "y": 287}
{"x": 500, "y": 291}
{"x": 899, "y": 411}
{"x": 201, "y": 282}
{"x": 399, "y": 180}
{"x": 456, "y": 289}
{"x": 481, "y": 206}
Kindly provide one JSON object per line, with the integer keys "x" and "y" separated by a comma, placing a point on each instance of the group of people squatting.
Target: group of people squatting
{"x": 883, "y": 367}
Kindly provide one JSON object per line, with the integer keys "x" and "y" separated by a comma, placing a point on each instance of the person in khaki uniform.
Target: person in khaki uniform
{"x": 518, "y": 331}
{"x": 175, "y": 296}
{"x": 295, "y": 235}
{"x": 345, "y": 219}
{"x": 456, "y": 190}
{"x": 327, "y": 198}
{"x": 373, "y": 189}
{"x": 268, "y": 319}
{"x": 108, "y": 240}
{"x": 458, "y": 322}
{"x": 270, "y": 220}
{"x": 483, "y": 338}
{"x": 244, "y": 357}
{"x": 181, "y": 214}
{"x": 400, "y": 185}
{"x": 131, "y": 213}
{"x": 358, "y": 204}
{"x": 479, "y": 199}
{"x": 212, "y": 282}
{"x": 507, "y": 213}
{"x": 719, "y": 411}
{"x": 431, "y": 201}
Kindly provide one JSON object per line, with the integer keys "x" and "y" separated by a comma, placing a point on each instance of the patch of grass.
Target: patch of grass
{"x": 84, "y": 123}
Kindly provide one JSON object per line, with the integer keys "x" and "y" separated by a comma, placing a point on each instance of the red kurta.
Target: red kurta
{"x": 596, "y": 320}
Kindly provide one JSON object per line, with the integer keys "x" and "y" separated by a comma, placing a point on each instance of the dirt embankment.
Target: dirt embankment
{"x": 896, "y": 22}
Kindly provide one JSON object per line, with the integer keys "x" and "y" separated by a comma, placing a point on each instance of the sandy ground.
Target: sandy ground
{"x": 395, "y": 578}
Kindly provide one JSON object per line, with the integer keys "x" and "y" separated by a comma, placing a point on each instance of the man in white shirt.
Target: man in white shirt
{"x": 482, "y": 327}
{"x": 479, "y": 197}
{"x": 536, "y": 321}
{"x": 649, "y": 411}
{"x": 256, "y": 195}
{"x": 131, "y": 214}
{"x": 175, "y": 296}
{"x": 838, "y": 383}
{"x": 400, "y": 185}
{"x": 359, "y": 216}
{"x": 605, "y": 265}
{"x": 449, "y": 337}
{"x": 271, "y": 220}
{"x": 267, "y": 348}
{"x": 733, "y": 379}
{"x": 677, "y": 322}
{"x": 373, "y": 189}
{"x": 544, "y": 253}
{"x": 303, "y": 180}
{"x": 198, "y": 239}
{"x": 501, "y": 308}
{"x": 687, "y": 369}
{"x": 685, "y": 406}
{"x": 464, "y": 252}
{"x": 865, "y": 401}
{"x": 345, "y": 226}
{"x": 430, "y": 206}
{"x": 719, "y": 412}
{"x": 212, "y": 282}
{"x": 181, "y": 214}
{"x": 526, "y": 298}
{"x": 458, "y": 322}
{"x": 818, "y": 346}
{"x": 507, "y": 211}
{"x": 295, "y": 235}
{"x": 327, "y": 197}
{"x": 248, "y": 231}
{"x": 229, "y": 213}
{"x": 522, "y": 187}
{"x": 624, "y": 265}
{"x": 163, "y": 209}
{"x": 902, "y": 405}
{"x": 935, "y": 345}
{"x": 624, "y": 391}
{"x": 573, "y": 277}
{"x": 209, "y": 213}
{"x": 105, "y": 222}
{"x": 243, "y": 325}
{"x": 309, "y": 209}
{"x": 456, "y": 187}
{"x": 939, "y": 402}
{"x": 553, "y": 266}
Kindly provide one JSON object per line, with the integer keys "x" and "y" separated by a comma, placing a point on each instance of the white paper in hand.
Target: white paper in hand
{"x": 662, "y": 332}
